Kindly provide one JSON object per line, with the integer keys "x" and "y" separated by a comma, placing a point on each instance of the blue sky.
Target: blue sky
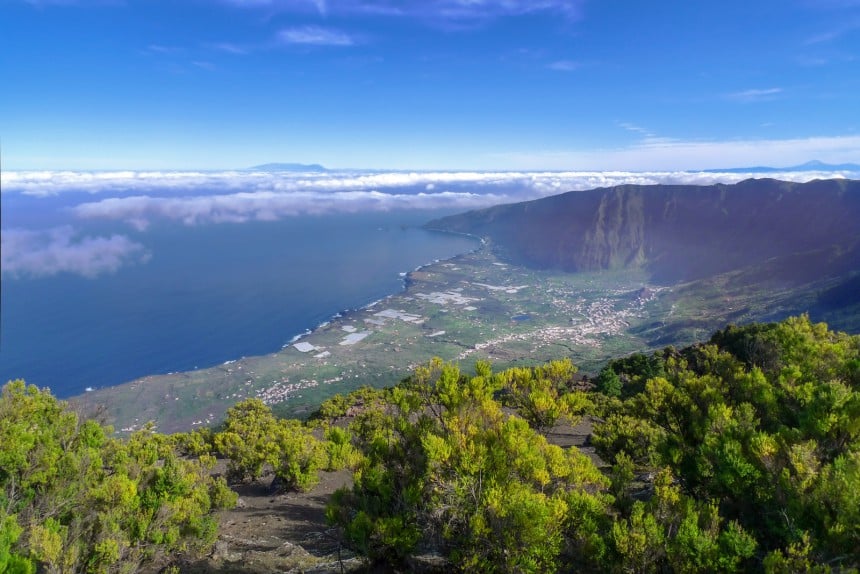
{"x": 432, "y": 84}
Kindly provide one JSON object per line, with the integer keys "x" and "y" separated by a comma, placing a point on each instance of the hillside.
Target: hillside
{"x": 677, "y": 232}
{"x": 741, "y": 454}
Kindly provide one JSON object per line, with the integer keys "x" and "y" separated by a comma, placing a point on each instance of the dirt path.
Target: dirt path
{"x": 272, "y": 531}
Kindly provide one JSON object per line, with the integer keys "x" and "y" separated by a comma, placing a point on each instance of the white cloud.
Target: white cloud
{"x": 193, "y": 198}
{"x": 315, "y": 36}
{"x": 319, "y": 5}
{"x": 812, "y": 61}
{"x": 755, "y": 95}
{"x": 482, "y": 9}
{"x": 203, "y": 65}
{"x": 27, "y": 253}
{"x": 668, "y": 155}
{"x": 460, "y": 191}
{"x": 845, "y": 29}
{"x": 139, "y": 211}
{"x": 454, "y": 10}
{"x": 160, "y": 49}
{"x": 47, "y": 183}
{"x": 230, "y": 48}
{"x": 831, "y": 4}
{"x": 83, "y": 3}
{"x": 527, "y": 176}
{"x": 564, "y": 66}
{"x": 636, "y": 129}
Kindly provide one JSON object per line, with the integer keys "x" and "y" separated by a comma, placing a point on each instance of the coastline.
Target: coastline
{"x": 261, "y": 370}
{"x": 465, "y": 308}
{"x": 462, "y": 309}
{"x": 406, "y": 281}
{"x": 208, "y": 295}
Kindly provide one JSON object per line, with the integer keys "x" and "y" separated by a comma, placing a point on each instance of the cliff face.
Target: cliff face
{"x": 676, "y": 232}
{"x": 617, "y": 237}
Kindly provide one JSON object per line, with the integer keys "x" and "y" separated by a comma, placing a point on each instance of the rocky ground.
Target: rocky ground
{"x": 271, "y": 530}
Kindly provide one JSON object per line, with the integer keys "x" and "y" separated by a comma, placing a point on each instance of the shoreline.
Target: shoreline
{"x": 405, "y": 282}
{"x": 287, "y": 377}
{"x": 464, "y": 308}
{"x": 460, "y": 308}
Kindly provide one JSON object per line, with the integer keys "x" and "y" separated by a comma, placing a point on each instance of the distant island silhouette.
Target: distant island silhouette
{"x": 813, "y": 165}
{"x": 296, "y": 167}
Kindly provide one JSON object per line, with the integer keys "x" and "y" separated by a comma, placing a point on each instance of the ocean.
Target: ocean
{"x": 111, "y": 276}
{"x": 204, "y": 294}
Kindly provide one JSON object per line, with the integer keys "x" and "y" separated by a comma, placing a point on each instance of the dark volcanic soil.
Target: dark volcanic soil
{"x": 277, "y": 531}
{"x": 271, "y": 530}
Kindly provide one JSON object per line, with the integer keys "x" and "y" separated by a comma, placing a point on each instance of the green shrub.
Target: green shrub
{"x": 82, "y": 501}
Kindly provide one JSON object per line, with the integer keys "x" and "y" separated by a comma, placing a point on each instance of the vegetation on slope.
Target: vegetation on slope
{"x": 763, "y": 425}
{"x": 742, "y": 454}
{"x": 75, "y": 499}
{"x": 739, "y": 455}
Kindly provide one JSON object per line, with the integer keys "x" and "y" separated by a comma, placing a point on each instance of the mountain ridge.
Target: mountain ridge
{"x": 677, "y": 232}
{"x": 813, "y": 165}
{"x": 295, "y": 167}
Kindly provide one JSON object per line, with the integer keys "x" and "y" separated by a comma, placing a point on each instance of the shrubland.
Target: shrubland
{"x": 739, "y": 454}
{"x": 73, "y": 498}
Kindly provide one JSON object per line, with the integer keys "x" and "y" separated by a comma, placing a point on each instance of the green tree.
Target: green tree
{"x": 765, "y": 421}
{"x": 445, "y": 467}
{"x": 608, "y": 382}
{"x": 10, "y": 562}
{"x": 339, "y": 450}
{"x": 247, "y": 439}
{"x": 542, "y": 395}
{"x": 636, "y": 437}
{"x": 300, "y": 455}
{"x": 87, "y": 502}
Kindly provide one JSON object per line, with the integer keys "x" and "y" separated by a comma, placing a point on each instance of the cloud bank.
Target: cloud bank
{"x": 199, "y": 198}
{"x": 195, "y": 198}
{"x": 139, "y": 211}
{"x": 171, "y": 183}
{"x": 27, "y": 253}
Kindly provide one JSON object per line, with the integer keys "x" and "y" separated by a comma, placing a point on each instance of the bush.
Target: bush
{"x": 81, "y": 500}
{"x": 300, "y": 455}
{"x": 444, "y": 468}
{"x": 247, "y": 439}
{"x": 340, "y": 450}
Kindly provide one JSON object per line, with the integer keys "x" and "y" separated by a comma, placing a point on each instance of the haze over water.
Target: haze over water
{"x": 207, "y": 295}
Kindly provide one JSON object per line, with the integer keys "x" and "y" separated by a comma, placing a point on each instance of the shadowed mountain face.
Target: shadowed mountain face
{"x": 677, "y": 232}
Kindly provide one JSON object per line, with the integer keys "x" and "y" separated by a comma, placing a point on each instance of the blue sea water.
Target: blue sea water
{"x": 208, "y": 294}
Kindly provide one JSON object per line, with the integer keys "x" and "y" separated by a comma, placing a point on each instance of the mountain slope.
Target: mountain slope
{"x": 676, "y": 232}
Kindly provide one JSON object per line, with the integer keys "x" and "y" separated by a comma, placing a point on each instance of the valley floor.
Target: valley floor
{"x": 465, "y": 309}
